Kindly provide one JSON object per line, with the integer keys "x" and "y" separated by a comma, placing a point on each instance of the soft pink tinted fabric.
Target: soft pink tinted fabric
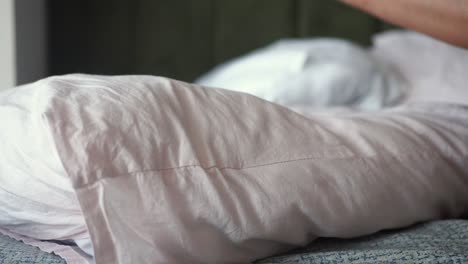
{"x": 168, "y": 172}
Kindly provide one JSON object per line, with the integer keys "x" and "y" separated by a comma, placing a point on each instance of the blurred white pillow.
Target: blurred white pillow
{"x": 435, "y": 70}
{"x": 313, "y": 73}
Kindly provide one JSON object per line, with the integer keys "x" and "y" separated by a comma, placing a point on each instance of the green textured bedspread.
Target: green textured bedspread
{"x": 434, "y": 242}
{"x": 16, "y": 252}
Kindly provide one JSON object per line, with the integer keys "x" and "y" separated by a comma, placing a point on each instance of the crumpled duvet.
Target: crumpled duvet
{"x": 169, "y": 172}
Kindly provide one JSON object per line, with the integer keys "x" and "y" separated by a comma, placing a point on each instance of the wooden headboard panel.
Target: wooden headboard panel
{"x": 184, "y": 38}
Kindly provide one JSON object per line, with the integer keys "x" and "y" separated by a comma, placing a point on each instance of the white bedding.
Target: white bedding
{"x": 435, "y": 71}
{"x": 161, "y": 171}
{"x": 170, "y": 172}
{"x": 316, "y": 73}
{"x": 30, "y": 168}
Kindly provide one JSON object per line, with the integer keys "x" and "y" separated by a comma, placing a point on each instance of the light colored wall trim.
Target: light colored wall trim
{"x": 7, "y": 45}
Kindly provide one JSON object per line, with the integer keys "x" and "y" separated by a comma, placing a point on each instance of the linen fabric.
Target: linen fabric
{"x": 170, "y": 172}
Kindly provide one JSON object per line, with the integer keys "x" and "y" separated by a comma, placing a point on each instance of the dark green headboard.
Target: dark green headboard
{"x": 185, "y": 38}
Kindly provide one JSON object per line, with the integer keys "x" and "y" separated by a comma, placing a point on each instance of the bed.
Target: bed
{"x": 430, "y": 242}
{"x": 131, "y": 165}
{"x": 434, "y": 242}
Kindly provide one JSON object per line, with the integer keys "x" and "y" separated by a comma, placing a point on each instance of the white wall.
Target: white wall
{"x": 7, "y": 45}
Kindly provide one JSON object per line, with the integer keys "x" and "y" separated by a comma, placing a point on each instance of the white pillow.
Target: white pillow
{"x": 36, "y": 195}
{"x": 311, "y": 73}
{"x": 170, "y": 172}
{"x": 435, "y": 70}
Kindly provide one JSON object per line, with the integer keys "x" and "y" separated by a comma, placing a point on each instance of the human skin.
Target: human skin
{"x": 446, "y": 20}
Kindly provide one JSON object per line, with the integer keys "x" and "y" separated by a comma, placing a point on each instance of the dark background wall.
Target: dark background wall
{"x": 184, "y": 38}
{"x": 31, "y": 40}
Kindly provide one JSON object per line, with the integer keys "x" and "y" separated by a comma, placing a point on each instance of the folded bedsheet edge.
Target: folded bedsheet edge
{"x": 66, "y": 252}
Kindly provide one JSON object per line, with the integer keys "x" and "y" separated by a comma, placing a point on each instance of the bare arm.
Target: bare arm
{"x": 443, "y": 19}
